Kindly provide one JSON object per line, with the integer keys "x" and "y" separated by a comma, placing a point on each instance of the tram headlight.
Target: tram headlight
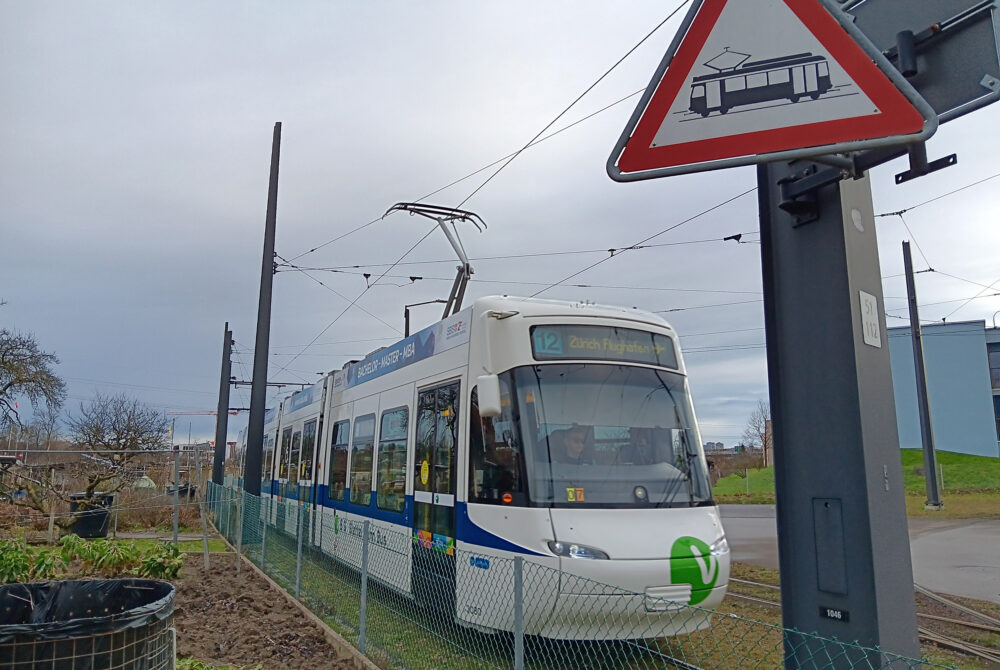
{"x": 572, "y": 550}
{"x": 720, "y": 546}
{"x": 640, "y": 493}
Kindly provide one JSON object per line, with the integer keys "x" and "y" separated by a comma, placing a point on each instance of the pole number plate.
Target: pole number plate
{"x": 834, "y": 613}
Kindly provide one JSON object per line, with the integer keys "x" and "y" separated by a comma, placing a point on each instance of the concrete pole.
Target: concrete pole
{"x": 843, "y": 545}
{"x": 222, "y": 411}
{"x": 258, "y": 388}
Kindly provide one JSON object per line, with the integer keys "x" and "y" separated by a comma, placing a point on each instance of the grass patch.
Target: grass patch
{"x": 971, "y": 486}
{"x": 215, "y": 544}
{"x": 961, "y": 473}
{"x": 751, "y": 484}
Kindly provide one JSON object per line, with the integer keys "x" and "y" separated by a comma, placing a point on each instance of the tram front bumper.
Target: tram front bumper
{"x": 624, "y": 617}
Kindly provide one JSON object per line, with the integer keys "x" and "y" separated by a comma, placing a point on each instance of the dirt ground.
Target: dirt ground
{"x": 225, "y": 620}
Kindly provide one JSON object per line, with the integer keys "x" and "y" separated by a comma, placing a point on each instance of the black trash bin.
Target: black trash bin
{"x": 93, "y": 521}
{"x": 104, "y": 624}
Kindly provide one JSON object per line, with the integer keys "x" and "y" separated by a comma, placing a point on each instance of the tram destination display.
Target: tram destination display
{"x": 562, "y": 342}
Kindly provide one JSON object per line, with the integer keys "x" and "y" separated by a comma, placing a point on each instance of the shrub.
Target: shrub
{"x": 19, "y": 564}
{"x": 162, "y": 561}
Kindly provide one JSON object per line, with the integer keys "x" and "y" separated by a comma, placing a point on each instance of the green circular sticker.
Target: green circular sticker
{"x": 425, "y": 472}
{"x": 692, "y": 562}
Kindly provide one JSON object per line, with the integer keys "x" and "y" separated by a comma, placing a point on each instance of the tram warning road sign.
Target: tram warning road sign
{"x": 748, "y": 82}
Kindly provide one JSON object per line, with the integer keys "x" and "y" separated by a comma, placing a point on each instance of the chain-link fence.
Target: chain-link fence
{"x": 408, "y": 604}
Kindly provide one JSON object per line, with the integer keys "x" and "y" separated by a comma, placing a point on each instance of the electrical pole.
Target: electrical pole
{"x": 843, "y": 545}
{"x": 222, "y": 415}
{"x": 923, "y": 403}
{"x": 258, "y": 391}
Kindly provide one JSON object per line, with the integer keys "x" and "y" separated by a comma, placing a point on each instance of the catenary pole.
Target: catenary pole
{"x": 258, "y": 389}
{"x": 923, "y": 403}
{"x": 222, "y": 413}
{"x": 843, "y": 545}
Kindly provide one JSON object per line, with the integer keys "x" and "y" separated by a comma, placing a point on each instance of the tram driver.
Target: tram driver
{"x": 570, "y": 445}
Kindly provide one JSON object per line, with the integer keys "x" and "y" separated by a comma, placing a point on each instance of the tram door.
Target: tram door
{"x": 812, "y": 82}
{"x": 434, "y": 496}
{"x": 798, "y": 81}
{"x": 714, "y": 89}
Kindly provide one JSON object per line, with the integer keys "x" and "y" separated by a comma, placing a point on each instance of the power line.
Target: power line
{"x": 474, "y": 173}
{"x": 354, "y": 302}
{"x": 339, "y": 237}
{"x": 914, "y": 238}
{"x": 978, "y": 295}
{"x": 665, "y": 230}
{"x": 535, "y": 143}
{"x": 579, "y": 97}
{"x": 967, "y": 281}
{"x": 943, "y": 195}
{"x": 342, "y": 296}
{"x": 946, "y": 302}
{"x": 594, "y": 286}
{"x": 537, "y": 139}
{"x": 520, "y": 256}
{"x": 720, "y": 304}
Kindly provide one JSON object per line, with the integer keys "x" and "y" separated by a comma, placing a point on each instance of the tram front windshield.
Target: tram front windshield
{"x": 596, "y": 435}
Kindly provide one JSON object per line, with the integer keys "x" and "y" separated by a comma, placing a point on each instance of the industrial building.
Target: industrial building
{"x": 962, "y": 361}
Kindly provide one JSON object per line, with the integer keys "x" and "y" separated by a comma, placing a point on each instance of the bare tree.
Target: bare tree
{"x": 757, "y": 433}
{"x": 115, "y": 429}
{"x": 45, "y": 426}
{"x": 26, "y": 370}
{"x": 120, "y": 428}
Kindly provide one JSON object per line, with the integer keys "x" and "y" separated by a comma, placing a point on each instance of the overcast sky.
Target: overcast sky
{"x": 134, "y": 148}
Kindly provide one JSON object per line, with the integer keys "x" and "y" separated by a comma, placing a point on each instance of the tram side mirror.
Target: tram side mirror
{"x": 489, "y": 395}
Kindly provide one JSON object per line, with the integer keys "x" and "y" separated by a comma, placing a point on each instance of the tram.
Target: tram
{"x": 559, "y": 432}
{"x": 788, "y": 77}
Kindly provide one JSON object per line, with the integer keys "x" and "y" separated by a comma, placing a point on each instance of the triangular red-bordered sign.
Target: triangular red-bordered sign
{"x": 707, "y": 108}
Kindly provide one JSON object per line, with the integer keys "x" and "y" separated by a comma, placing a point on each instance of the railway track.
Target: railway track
{"x": 986, "y": 622}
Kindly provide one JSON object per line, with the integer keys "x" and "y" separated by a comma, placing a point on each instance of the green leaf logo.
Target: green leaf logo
{"x": 691, "y": 562}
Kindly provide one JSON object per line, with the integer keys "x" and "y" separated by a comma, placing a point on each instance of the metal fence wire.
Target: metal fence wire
{"x": 405, "y": 605}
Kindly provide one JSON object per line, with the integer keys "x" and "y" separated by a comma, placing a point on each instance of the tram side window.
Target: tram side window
{"x": 361, "y": 459}
{"x": 735, "y": 84}
{"x": 390, "y": 487}
{"x": 286, "y": 444}
{"x": 338, "y": 460}
{"x": 293, "y": 462}
{"x": 757, "y": 80}
{"x": 496, "y": 470}
{"x": 308, "y": 448}
{"x": 265, "y": 472}
{"x": 778, "y": 77}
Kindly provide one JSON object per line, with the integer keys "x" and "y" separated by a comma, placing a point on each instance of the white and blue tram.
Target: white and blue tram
{"x": 559, "y": 432}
